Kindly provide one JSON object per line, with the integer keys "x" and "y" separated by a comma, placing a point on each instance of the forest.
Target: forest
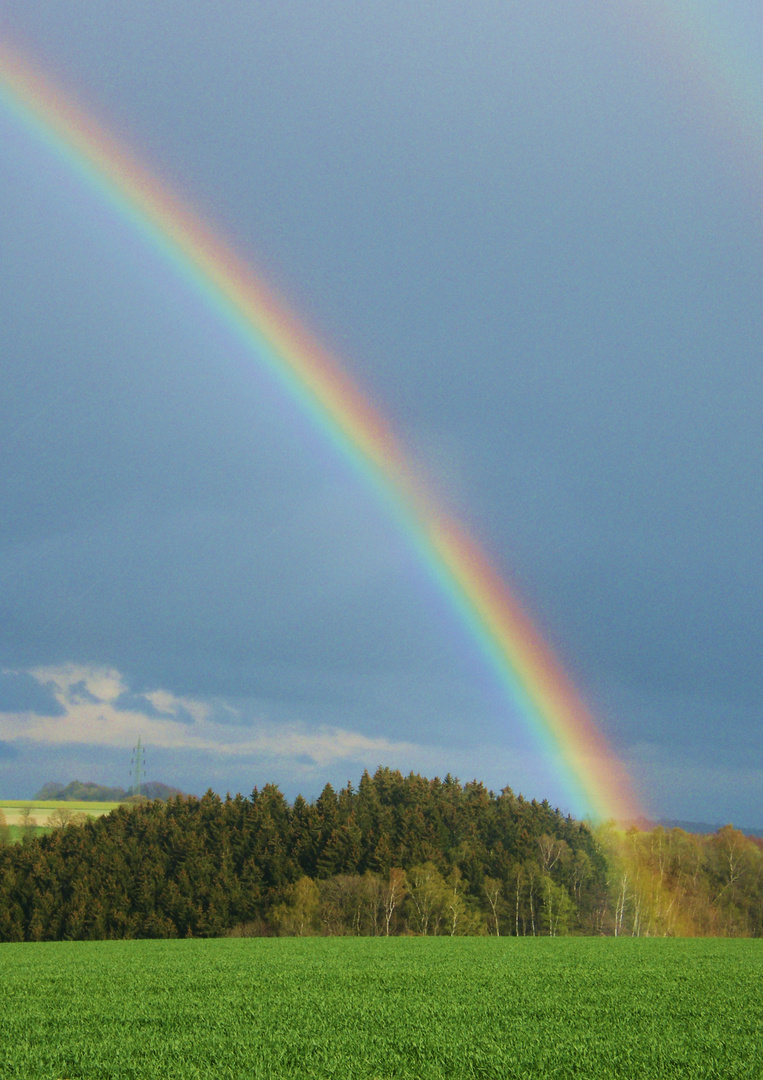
{"x": 396, "y": 855}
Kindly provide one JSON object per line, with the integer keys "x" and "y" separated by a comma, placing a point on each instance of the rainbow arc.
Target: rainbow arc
{"x": 534, "y": 681}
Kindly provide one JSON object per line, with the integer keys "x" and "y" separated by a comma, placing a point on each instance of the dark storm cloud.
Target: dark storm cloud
{"x": 20, "y": 693}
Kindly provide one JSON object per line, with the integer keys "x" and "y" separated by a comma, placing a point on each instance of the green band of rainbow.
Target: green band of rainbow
{"x": 595, "y": 781}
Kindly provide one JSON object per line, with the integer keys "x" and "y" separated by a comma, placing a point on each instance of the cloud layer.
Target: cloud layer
{"x": 97, "y": 710}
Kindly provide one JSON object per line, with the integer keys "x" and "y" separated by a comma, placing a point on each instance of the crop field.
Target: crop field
{"x": 41, "y": 813}
{"x": 382, "y": 1008}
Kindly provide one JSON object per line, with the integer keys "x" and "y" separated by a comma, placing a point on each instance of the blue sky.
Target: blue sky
{"x": 530, "y": 239}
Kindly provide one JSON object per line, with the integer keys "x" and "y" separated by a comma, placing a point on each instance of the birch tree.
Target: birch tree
{"x": 493, "y": 889}
{"x": 393, "y": 892}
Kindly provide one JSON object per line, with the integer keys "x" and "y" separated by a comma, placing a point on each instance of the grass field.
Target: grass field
{"x": 40, "y": 812}
{"x": 381, "y": 1008}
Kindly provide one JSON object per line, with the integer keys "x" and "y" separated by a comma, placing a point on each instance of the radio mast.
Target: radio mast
{"x": 138, "y": 767}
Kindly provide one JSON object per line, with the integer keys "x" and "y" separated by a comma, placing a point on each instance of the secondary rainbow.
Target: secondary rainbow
{"x": 700, "y": 62}
{"x": 595, "y": 780}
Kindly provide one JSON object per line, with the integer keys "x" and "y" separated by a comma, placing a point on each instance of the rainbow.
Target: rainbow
{"x": 690, "y": 50}
{"x": 594, "y": 780}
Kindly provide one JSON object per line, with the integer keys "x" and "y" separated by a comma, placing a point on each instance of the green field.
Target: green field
{"x": 383, "y": 1007}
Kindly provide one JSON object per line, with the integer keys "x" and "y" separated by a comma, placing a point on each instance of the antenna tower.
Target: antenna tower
{"x": 138, "y": 767}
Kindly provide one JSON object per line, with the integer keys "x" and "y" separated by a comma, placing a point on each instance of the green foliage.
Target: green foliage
{"x": 676, "y": 883}
{"x": 401, "y": 1009}
{"x": 204, "y": 867}
{"x": 298, "y": 915}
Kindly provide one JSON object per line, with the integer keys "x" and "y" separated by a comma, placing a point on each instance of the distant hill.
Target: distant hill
{"x": 156, "y": 790}
{"x": 702, "y": 827}
{"x": 77, "y": 791}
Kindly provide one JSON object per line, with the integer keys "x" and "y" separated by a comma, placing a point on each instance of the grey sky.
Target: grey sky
{"x": 526, "y": 232}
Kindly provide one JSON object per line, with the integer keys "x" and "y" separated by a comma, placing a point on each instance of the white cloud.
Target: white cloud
{"x": 167, "y": 703}
{"x": 66, "y": 681}
{"x": 92, "y": 716}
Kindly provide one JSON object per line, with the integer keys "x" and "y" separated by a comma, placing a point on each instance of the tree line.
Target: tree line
{"x": 77, "y": 791}
{"x": 396, "y": 855}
